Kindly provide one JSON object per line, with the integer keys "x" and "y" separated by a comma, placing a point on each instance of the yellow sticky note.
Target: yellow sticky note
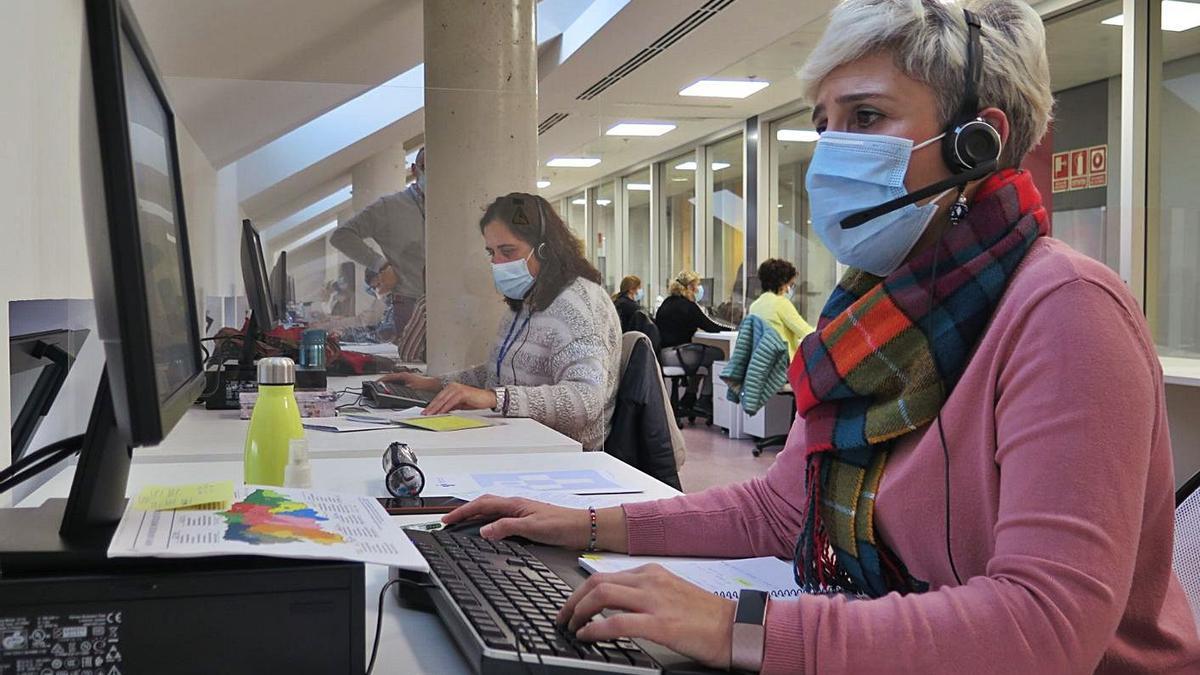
{"x": 445, "y": 422}
{"x": 216, "y": 495}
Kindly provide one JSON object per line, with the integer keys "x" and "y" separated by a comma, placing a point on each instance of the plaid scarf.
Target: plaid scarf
{"x": 882, "y": 361}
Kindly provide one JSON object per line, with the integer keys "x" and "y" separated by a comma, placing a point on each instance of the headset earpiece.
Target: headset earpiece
{"x": 970, "y": 141}
{"x": 970, "y": 144}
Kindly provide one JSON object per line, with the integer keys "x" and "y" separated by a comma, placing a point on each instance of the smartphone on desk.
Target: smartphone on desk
{"x": 413, "y": 506}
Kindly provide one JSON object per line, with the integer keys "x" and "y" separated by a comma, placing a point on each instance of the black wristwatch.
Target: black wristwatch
{"x": 749, "y": 634}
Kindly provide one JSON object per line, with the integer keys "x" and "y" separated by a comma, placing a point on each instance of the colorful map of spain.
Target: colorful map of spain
{"x": 267, "y": 517}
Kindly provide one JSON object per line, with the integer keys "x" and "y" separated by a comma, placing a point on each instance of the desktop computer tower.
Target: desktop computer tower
{"x": 215, "y": 615}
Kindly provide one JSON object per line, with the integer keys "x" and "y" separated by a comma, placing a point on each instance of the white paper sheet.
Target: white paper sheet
{"x": 723, "y": 577}
{"x": 271, "y": 521}
{"x": 572, "y": 481}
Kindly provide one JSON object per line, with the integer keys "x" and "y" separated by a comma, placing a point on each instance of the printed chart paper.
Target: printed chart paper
{"x": 271, "y": 521}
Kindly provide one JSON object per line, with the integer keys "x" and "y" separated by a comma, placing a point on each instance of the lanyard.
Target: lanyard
{"x": 509, "y": 340}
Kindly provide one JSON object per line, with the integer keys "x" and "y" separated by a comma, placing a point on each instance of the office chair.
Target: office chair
{"x": 694, "y": 367}
{"x": 1187, "y": 541}
{"x": 777, "y": 439}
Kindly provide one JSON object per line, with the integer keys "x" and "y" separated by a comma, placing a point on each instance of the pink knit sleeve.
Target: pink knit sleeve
{"x": 1076, "y": 413}
{"x": 755, "y": 518}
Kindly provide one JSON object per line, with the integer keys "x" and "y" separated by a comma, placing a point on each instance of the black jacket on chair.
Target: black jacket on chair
{"x": 640, "y": 433}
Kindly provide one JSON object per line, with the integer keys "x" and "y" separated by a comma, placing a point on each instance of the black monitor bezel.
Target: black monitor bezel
{"x": 278, "y": 286}
{"x": 255, "y": 278}
{"x": 123, "y": 322}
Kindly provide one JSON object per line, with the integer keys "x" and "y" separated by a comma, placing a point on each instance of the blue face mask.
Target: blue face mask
{"x": 699, "y": 293}
{"x": 852, "y": 172}
{"x": 513, "y": 278}
{"x": 640, "y": 295}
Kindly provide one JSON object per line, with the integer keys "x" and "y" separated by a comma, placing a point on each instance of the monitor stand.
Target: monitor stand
{"x": 74, "y": 533}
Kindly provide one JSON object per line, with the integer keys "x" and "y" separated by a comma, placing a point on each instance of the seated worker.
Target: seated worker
{"x": 679, "y": 317}
{"x": 557, "y": 353}
{"x": 996, "y": 504}
{"x": 778, "y": 279}
{"x": 628, "y": 301}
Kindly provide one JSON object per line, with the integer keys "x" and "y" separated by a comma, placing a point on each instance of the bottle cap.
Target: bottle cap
{"x": 276, "y": 370}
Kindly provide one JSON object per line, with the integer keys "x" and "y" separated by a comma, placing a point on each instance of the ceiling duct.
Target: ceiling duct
{"x": 690, "y": 23}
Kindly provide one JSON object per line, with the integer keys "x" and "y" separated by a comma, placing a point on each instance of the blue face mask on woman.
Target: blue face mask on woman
{"x": 699, "y": 294}
{"x": 853, "y": 172}
{"x": 640, "y": 295}
{"x": 513, "y": 278}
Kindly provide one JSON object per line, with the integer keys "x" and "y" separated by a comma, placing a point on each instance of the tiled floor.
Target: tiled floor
{"x": 713, "y": 459}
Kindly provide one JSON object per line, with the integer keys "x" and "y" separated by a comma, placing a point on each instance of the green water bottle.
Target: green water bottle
{"x": 274, "y": 423}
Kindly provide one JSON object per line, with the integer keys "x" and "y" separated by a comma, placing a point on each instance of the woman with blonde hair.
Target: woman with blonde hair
{"x": 963, "y": 490}
{"x": 679, "y": 316}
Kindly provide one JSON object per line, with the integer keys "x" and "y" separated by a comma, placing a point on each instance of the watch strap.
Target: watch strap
{"x": 749, "y": 633}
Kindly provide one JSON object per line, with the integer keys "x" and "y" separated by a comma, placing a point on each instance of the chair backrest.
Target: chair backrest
{"x": 692, "y": 357}
{"x": 1187, "y": 541}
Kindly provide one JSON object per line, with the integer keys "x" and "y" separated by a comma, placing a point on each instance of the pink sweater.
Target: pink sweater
{"x": 1061, "y": 506}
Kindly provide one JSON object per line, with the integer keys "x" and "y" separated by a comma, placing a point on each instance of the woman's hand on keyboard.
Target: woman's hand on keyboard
{"x": 543, "y": 523}
{"x": 655, "y": 605}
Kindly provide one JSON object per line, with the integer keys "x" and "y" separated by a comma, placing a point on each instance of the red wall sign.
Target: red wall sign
{"x": 1080, "y": 169}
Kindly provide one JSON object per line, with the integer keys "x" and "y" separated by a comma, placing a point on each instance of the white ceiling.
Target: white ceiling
{"x": 244, "y": 73}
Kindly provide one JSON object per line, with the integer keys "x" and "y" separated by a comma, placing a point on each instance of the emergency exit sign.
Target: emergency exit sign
{"x": 1079, "y": 169}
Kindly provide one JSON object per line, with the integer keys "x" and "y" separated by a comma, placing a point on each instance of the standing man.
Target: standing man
{"x": 397, "y": 224}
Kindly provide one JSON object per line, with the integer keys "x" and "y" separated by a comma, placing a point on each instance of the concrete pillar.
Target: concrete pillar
{"x": 480, "y": 143}
{"x": 378, "y": 175}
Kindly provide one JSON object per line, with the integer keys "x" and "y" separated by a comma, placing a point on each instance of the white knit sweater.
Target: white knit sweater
{"x": 562, "y": 369}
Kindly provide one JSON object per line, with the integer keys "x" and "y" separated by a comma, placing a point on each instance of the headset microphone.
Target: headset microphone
{"x": 855, "y": 219}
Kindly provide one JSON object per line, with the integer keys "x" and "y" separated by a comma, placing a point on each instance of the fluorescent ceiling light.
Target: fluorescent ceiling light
{"x": 574, "y": 162}
{"x": 1176, "y": 16}
{"x": 639, "y": 129}
{"x": 543, "y": 184}
{"x": 797, "y": 135}
{"x": 579, "y": 202}
{"x": 691, "y": 166}
{"x": 637, "y": 187}
{"x": 603, "y": 202}
{"x": 725, "y": 88}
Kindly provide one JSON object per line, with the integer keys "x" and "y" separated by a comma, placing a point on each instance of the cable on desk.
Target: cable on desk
{"x": 75, "y": 443}
{"x": 379, "y": 615}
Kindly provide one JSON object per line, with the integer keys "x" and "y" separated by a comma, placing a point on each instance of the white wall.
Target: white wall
{"x": 43, "y": 255}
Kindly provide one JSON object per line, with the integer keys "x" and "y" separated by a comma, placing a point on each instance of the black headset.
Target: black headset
{"x": 519, "y": 218}
{"x": 970, "y": 142}
{"x": 970, "y": 149}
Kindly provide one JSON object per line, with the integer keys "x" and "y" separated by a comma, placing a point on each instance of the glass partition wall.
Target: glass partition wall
{"x": 637, "y": 196}
{"x": 791, "y": 236}
{"x": 725, "y": 238}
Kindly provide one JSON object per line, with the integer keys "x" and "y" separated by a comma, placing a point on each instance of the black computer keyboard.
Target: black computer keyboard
{"x": 500, "y": 594}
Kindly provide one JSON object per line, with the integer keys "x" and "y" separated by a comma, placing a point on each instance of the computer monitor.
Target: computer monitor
{"x": 146, "y": 315}
{"x": 254, "y": 278}
{"x": 281, "y": 287}
{"x": 38, "y": 364}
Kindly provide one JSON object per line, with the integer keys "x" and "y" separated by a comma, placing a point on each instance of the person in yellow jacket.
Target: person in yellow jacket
{"x": 778, "y": 278}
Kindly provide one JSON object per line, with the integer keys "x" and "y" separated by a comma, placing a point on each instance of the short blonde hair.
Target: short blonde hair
{"x": 683, "y": 282}
{"x": 929, "y": 41}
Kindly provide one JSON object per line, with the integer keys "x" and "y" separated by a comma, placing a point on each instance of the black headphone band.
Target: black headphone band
{"x": 974, "y": 71}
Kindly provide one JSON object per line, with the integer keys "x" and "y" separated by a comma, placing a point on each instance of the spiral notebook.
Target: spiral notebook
{"x": 723, "y": 577}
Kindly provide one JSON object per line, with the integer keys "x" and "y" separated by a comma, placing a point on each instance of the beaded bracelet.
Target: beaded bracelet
{"x": 593, "y": 535}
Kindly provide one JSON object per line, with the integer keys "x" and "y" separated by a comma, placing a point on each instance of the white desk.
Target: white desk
{"x": 723, "y": 340}
{"x": 216, "y": 435}
{"x": 1181, "y": 371}
{"x": 412, "y": 641}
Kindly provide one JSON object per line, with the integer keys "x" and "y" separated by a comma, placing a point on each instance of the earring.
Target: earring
{"x": 960, "y": 208}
